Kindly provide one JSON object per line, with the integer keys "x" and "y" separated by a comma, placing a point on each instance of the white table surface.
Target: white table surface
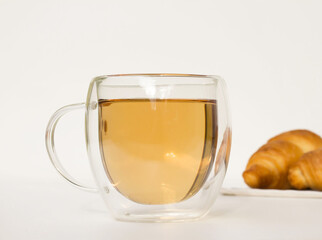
{"x": 34, "y": 209}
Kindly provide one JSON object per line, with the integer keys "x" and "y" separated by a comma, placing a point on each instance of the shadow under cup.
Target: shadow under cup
{"x": 152, "y": 143}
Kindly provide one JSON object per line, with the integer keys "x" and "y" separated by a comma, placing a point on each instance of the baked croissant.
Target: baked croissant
{"x": 306, "y": 140}
{"x": 307, "y": 171}
{"x": 268, "y": 166}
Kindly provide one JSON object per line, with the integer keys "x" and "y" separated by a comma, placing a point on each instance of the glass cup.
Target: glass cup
{"x": 158, "y": 144}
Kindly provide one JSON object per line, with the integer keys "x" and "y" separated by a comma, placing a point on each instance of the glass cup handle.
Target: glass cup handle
{"x": 50, "y": 144}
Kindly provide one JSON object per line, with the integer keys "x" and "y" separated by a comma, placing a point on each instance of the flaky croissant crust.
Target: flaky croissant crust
{"x": 269, "y": 166}
{"x": 307, "y": 171}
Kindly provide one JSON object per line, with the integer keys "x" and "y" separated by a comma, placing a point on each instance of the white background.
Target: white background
{"x": 269, "y": 53}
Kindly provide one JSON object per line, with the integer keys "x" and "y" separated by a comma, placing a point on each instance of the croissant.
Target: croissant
{"x": 268, "y": 166}
{"x": 306, "y": 140}
{"x": 307, "y": 171}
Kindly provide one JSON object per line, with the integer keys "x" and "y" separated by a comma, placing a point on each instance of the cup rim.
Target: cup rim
{"x": 157, "y": 75}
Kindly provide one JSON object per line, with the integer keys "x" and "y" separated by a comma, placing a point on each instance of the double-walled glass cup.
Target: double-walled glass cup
{"x": 158, "y": 144}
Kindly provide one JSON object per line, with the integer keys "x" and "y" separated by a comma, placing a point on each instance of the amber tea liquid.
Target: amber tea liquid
{"x": 158, "y": 151}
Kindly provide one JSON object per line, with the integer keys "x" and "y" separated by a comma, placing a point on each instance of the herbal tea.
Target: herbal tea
{"x": 158, "y": 151}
